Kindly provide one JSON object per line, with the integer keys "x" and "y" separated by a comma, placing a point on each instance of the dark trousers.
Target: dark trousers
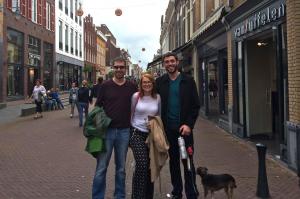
{"x": 38, "y": 107}
{"x": 142, "y": 187}
{"x": 189, "y": 176}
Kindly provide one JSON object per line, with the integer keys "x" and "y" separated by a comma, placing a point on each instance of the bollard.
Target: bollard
{"x": 298, "y": 152}
{"x": 262, "y": 181}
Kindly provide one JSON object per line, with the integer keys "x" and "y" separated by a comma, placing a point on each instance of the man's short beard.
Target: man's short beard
{"x": 174, "y": 71}
{"x": 118, "y": 77}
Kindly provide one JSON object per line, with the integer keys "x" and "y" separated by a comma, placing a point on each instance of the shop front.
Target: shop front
{"x": 48, "y": 65}
{"x": 211, "y": 47}
{"x": 69, "y": 70}
{"x": 15, "y": 63}
{"x": 260, "y": 80}
{"x": 34, "y": 62}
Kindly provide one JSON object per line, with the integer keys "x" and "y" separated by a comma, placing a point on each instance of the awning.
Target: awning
{"x": 209, "y": 22}
{"x": 183, "y": 46}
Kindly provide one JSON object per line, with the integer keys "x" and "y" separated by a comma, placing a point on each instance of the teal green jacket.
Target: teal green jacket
{"x": 94, "y": 130}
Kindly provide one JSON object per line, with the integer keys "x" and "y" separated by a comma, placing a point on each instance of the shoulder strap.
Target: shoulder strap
{"x": 135, "y": 103}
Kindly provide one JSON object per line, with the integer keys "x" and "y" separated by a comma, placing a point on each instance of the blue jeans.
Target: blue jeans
{"x": 118, "y": 140}
{"x": 82, "y": 107}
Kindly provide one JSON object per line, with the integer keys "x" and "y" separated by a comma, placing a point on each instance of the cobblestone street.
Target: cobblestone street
{"x": 45, "y": 159}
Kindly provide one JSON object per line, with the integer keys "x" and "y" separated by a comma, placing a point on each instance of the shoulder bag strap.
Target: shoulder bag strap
{"x": 134, "y": 106}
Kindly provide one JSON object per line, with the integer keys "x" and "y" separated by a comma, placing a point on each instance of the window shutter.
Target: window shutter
{"x": 52, "y": 11}
{"x": 23, "y": 7}
{"x": 9, "y": 4}
{"x": 39, "y": 12}
{"x": 29, "y": 14}
{"x": 44, "y": 13}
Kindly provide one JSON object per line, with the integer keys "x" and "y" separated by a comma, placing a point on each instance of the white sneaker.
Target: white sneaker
{"x": 71, "y": 115}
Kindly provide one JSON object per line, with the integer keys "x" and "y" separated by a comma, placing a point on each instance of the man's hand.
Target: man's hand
{"x": 185, "y": 130}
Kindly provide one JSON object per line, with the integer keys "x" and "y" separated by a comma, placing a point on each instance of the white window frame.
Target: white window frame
{"x": 34, "y": 11}
{"x": 72, "y": 40}
{"x": 203, "y": 10}
{"x": 48, "y": 15}
{"x": 67, "y": 37}
{"x": 80, "y": 45}
{"x": 60, "y": 34}
{"x": 217, "y": 4}
{"x": 76, "y": 43}
{"x": 15, "y": 5}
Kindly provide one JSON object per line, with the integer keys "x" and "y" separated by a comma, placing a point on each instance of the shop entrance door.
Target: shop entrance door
{"x": 213, "y": 88}
{"x": 264, "y": 90}
{"x": 33, "y": 74}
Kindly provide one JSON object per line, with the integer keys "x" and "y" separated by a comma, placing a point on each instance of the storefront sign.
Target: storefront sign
{"x": 261, "y": 18}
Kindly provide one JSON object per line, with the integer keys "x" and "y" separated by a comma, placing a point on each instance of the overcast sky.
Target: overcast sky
{"x": 137, "y": 28}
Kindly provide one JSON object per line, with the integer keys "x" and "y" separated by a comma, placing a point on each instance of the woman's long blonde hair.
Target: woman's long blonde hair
{"x": 151, "y": 78}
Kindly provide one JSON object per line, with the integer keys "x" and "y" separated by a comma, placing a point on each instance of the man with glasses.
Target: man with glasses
{"x": 115, "y": 98}
{"x": 179, "y": 111}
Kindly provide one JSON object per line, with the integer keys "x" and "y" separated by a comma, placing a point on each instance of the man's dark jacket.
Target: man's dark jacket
{"x": 189, "y": 99}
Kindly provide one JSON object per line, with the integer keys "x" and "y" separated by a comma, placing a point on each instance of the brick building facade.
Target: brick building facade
{"x": 90, "y": 50}
{"x": 249, "y": 50}
{"x": 112, "y": 51}
{"x": 28, "y": 47}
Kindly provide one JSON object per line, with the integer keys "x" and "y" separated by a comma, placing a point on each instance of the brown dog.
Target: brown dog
{"x": 214, "y": 183}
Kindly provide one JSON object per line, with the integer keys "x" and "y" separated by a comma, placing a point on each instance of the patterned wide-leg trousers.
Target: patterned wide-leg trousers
{"x": 142, "y": 188}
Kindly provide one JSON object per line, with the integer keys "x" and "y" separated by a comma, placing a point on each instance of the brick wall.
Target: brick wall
{"x": 197, "y": 14}
{"x": 293, "y": 37}
{"x": 210, "y": 5}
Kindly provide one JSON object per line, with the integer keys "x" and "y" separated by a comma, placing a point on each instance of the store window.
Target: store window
{"x": 34, "y": 51}
{"x": 240, "y": 84}
{"x": 15, "y": 70}
{"x": 34, "y": 61}
{"x": 48, "y": 65}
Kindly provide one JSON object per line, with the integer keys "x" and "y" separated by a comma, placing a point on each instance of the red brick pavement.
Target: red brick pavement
{"x": 45, "y": 159}
{"x": 220, "y": 152}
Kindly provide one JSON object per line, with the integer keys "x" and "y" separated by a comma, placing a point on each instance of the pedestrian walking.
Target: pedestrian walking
{"x": 144, "y": 103}
{"x": 84, "y": 98}
{"x": 73, "y": 97}
{"x": 96, "y": 87}
{"x": 115, "y": 98}
{"x": 180, "y": 106}
{"x": 38, "y": 94}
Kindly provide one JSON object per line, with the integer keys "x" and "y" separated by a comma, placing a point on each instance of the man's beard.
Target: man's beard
{"x": 119, "y": 75}
{"x": 172, "y": 69}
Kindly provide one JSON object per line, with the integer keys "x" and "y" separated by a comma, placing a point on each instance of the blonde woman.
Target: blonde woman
{"x": 144, "y": 103}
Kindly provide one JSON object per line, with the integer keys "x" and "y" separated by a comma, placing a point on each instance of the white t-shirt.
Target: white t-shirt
{"x": 38, "y": 90}
{"x": 146, "y": 105}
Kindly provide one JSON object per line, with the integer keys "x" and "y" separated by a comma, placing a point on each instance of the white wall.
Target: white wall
{"x": 66, "y": 20}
